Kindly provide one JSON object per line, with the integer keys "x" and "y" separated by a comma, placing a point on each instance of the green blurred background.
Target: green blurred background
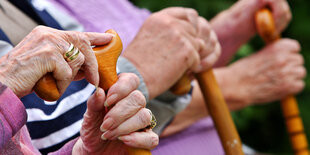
{"x": 261, "y": 127}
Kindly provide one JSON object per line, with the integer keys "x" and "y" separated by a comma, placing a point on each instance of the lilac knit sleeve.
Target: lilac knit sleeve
{"x": 12, "y": 115}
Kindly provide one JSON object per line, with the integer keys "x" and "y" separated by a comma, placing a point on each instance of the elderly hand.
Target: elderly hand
{"x": 122, "y": 122}
{"x": 42, "y": 51}
{"x": 236, "y": 26}
{"x": 268, "y": 75}
{"x": 271, "y": 74}
{"x": 169, "y": 43}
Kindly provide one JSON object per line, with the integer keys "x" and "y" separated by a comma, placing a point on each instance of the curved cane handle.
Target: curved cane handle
{"x": 106, "y": 56}
{"x": 46, "y": 88}
{"x": 267, "y": 30}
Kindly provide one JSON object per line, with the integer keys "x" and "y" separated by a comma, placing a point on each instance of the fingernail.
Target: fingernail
{"x": 97, "y": 90}
{"x": 110, "y": 34}
{"x": 106, "y": 103}
{"x": 102, "y": 129}
{"x": 102, "y": 137}
{"x": 111, "y": 99}
{"x": 120, "y": 138}
{"x": 107, "y": 124}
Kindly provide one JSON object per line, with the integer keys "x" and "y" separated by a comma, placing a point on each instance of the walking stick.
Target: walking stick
{"x": 266, "y": 29}
{"x": 106, "y": 56}
{"x": 217, "y": 108}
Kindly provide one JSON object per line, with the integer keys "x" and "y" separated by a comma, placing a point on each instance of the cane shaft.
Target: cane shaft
{"x": 219, "y": 112}
{"x": 266, "y": 28}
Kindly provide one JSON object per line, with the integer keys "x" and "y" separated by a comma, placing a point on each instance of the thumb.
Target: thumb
{"x": 96, "y": 102}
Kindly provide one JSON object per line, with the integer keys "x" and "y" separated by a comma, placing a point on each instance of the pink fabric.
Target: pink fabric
{"x": 199, "y": 138}
{"x": 14, "y": 136}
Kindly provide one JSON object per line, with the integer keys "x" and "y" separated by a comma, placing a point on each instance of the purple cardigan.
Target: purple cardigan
{"x": 14, "y": 136}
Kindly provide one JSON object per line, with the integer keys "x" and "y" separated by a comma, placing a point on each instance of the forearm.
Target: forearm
{"x": 235, "y": 97}
{"x": 234, "y": 27}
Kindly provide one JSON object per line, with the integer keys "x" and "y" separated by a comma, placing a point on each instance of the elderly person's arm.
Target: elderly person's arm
{"x": 268, "y": 75}
{"x": 42, "y": 51}
{"x": 235, "y": 26}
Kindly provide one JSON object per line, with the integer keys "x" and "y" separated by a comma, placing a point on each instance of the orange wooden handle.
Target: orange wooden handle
{"x": 220, "y": 113}
{"x": 182, "y": 86}
{"x": 107, "y": 56}
{"x": 266, "y": 29}
{"x": 46, "y": 88}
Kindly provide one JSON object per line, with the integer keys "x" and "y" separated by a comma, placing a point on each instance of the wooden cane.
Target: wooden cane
{"x": 266, "y": 29}
{"x": 106, "y": 56}
{"x": 217, "y": 108}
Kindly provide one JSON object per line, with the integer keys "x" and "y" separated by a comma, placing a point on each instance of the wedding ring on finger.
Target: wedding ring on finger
{"x": 153, "y": 121}
{"x": 71, "y": 53}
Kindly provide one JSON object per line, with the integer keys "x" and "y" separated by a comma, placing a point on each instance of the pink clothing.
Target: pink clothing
{"x": 14, "y": 136}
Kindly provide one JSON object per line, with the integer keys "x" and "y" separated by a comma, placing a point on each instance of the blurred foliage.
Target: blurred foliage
{"x": 261, "y": 127}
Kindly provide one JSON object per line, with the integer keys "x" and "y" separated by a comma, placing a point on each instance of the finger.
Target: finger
{"x": 95, "y": 102}
{"x": 97, "y": 39}
{"x": 210, "y": 45}
{"x": 186, "y": 14}
{"x": 204, "y": 29}
{"x": 79, "y": 76}
{"x": 296, "y": 59}
{"x": 62, "y": 73}
{"x": 75, "y": 65}
{"x": 139, "y": 121}
{"x": 296, "y": 86}
{"x": 83, "y": 41}
{"x": 126, "y": 83}
{"x": 123, "y": 110}
{"x": 297, "y": 72}
{"x": 282, "y": 14}
{"x": 288, "y": 45}
{"x": 146, "y": 140}
{"x": 210, "y": 60}
{"x": 186, "y": 26}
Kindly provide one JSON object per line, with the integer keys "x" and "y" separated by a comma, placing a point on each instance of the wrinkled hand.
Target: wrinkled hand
{"x": 280, "y": 10}
{"x": 236, "y": 26}
{"x": 42, "y": 51}
{"x": 122, "y": 121}
{"x": 268, "y": 75}
{"x": 271, "y": 74}
{"x": 169, "y": 43}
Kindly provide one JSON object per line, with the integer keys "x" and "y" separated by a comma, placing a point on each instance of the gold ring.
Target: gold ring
{"x": 153, "y": 121}
{"x": 71, "y": 53}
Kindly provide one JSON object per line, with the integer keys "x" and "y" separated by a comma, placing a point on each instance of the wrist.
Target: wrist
{"x": 239, "y": 20}
{"x": 231, "y": 88}
{"x": 78, "y": 148}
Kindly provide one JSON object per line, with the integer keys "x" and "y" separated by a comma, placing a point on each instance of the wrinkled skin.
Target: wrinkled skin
{"x": 268, "y": 75}
{"x": 236, "y": 25}
{"x": 42, "y": 51}
{"x": 126, "y": 117}
{"x": 172, "y": 41}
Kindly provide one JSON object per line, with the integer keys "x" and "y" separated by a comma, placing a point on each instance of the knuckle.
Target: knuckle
{"x": 133, "y": 79}
{"x": 145, "y": 117}
{"x": 39, "y": 28}
{"x": 154, "y": 140}
{"x": 191, "y": 12}
{"x": 280, "y": 60}
{"x": 137, "y": 98}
